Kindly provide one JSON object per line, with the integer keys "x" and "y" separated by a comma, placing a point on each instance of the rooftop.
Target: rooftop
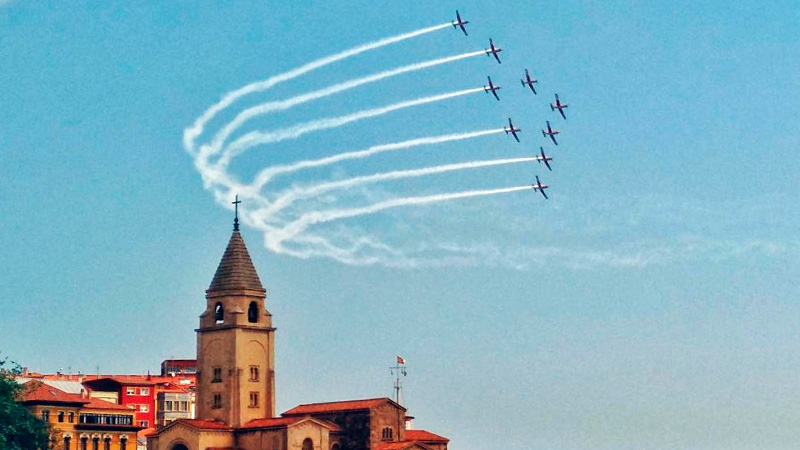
{"x": 348, "y": 405}
{"x": 235, "y": 271}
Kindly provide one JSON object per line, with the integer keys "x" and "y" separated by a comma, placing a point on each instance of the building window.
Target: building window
{"x": 123, "y": 443}
{"x": 96, "y": 443}
{"x": 253, "y": 373}
{"x": 184, "y": 406}
{"x": 67, "y": 440}
{"x": 386, "y": 434}
{"x": 71, "y": 417}
{"x": 335, "y": 447}
{"x": 46, "y": 415}
{"x": 219, "y": 313}
{"x": 61, "y": 416}
{"x": 107, "y": 443}
{"x": 144, "y": 423}
{"x": 217, "y": 375}
{"x": 144, "y": 391}
{"x": 217, "y": 401}
{"x": 254, "y": 399}
{"x": 308, "y": 444}
{"x": 168, "y": 405}
{"x": 144, "y": 408}
{"x": 83, "y": 443}
{"x": 130, "y": 391}
{"x": 252, "y": 312}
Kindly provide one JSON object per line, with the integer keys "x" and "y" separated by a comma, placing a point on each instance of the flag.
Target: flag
{"x": 401, "y": 360}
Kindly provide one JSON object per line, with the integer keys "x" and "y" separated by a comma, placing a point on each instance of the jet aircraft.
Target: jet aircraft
{"x": 492, "y": 50}
{"x": 492, "y": 88}
{"x": 528, "y": 81}
{"x": 460, "y": 23}
{"x": 551, "y": 132}
{"x": 544, "y": 159}
{"x": 559, "y": 106}
{"x": 512, "y": 130}
{"x": 540, "y": 187}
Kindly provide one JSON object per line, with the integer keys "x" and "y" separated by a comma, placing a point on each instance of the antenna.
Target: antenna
{"x": 398, "y": 370}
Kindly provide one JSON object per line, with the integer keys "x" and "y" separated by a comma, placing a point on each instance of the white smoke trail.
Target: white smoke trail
{"x": 269, "y": 107}
{"x": 294, "y": 194}
{"x": 254, "y": 138}
{"x": 269, "y": 173}
{"x": 274, "y": 240}
{"x": 191, "y": 133}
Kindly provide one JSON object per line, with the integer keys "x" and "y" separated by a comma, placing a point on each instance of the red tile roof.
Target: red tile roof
{"x": 348, "y": 405}
{"x": 269, "y": 423}
{"x": 399, "y": 445}
{"x": 203, "y": 424}
{"x": 96, "y": 403}
{"x": 425, "y": 436}
{"x": 36, "y": 391}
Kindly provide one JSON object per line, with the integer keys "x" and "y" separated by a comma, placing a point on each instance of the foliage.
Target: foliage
{"x": 19, "y": 429}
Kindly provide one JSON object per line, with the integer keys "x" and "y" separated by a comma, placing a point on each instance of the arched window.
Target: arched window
{"x": 386, "y": 434}
{"x": 179, "y": 447}
{"x": 308, "y": 444}
{"x": 83, "y": 443}
{"x": 107, "y": 443}
{"x": 123, "y": 443}
{"x": 219, "y": 313}
{"x": 67, "y": 440}
{"x": 95, "y": 443}
{"x": 252, "y": 312}
{"x": 335, "y": 446}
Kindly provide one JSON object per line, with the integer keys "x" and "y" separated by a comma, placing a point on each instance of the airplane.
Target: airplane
{"x": 512, "y": 130}
{"x": 551, "y": 132}
{"x": 460, "y": 23}
{"x": 540, "y": 187}
{"x": 544, "y": 159}
{"x": 492, "y": 50}
{"x": 492, "y": 88}
{"x": 528, "y": 81}
{"x": 559, "y": 106}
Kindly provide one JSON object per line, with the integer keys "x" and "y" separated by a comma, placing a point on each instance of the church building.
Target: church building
{"x": 236, "y": 384}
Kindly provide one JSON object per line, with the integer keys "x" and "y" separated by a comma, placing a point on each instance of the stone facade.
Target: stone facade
{"x": 235, "y": 395}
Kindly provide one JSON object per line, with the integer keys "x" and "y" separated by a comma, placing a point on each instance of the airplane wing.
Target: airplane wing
{"x": 547, "y": 164}
{"x": 497, "y": 57}
{"x": 542, "y": 191}
{"x": 553, "y": 137}
{"x": 561, "y": 110}
{"x": 494, "y": 92}
{"x": 514, "y": 133}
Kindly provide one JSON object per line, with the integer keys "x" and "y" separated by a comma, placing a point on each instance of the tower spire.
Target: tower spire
{"x": 236, "y": 209}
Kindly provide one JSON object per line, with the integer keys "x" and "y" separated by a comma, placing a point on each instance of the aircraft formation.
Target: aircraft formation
{"x": 527, "y": 81}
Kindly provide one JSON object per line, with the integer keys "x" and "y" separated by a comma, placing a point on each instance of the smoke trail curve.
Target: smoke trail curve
{"x": 191, "y": 133}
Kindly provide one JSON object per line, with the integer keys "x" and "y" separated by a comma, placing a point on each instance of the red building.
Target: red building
{"x": 136, "y": 391}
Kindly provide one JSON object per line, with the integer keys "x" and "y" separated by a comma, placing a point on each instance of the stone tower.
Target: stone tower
{"x": 235, "y": 343}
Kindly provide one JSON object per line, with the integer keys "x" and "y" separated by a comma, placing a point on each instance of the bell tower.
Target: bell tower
{"x": 235, "y": 343}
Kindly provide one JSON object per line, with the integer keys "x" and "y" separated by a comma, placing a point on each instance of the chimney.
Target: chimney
{"x": 24, "y": 371}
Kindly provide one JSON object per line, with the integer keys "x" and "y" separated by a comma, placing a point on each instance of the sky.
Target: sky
{"x": 650, "y": 302}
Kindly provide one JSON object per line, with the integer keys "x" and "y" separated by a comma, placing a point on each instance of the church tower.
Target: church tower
{"x": 235, "y": 343}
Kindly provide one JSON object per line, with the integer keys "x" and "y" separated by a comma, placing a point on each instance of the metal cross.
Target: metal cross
{"x": 236, "y": 209}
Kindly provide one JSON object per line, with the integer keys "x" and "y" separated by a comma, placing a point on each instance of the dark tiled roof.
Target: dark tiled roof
{"x": 235, "y": 271}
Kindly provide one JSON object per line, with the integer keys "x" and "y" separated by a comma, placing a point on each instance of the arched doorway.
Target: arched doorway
{"x": 179, "y": 447}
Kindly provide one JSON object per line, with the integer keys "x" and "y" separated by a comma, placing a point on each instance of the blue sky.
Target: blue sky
{"x": 650, "y": 303}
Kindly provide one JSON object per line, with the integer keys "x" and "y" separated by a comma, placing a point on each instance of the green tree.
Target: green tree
{"x": 19, "y": 429}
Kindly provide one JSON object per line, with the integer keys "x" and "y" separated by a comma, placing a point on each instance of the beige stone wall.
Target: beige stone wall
{"x": 262, "y": 439}
{"x": 297, "y": 433}
{"x": 234, "y": 346}
{"x": 192, "y": 438}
